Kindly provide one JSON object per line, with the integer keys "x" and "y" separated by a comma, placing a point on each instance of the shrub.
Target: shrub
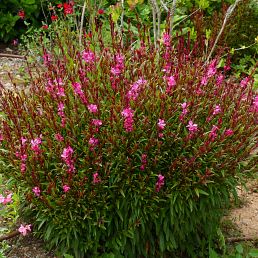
{"x": 128, "y": 151}
{"x": 16, "y": 14}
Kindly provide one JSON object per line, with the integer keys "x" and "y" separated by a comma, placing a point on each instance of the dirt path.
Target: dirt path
{"x": 246, "y": 216}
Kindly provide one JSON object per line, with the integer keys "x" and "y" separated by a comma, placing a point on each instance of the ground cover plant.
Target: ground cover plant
{"x": 127, "y": 148}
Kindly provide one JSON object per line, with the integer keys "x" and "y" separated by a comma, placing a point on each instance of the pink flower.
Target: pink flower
{"x": 166, "y": 39}
{"x": 88, "y": 56}
{"x": 35, "y": 144}
{"x": 135, "y": 89}
{"x": 161, "y": 124}
{"x": 96, "y": 122}
{"x": 128, "y": 124}
{"x": 23, "y": 140}
{"x": 244, "y": 82}
{"x": 120, "y": 59}
{"x": 255, "y": 103}
{"x": 93, "y": 141}
{"x": 96, "y": 178}
{"x": 66, "y": 188}
{"x": 2, "y": 198}
{"x": 216, "y": 110}
{"x": 61, "y": 106}
{"x": 143, "y": 161}
{"x": 171, "y": 81}
{"x": 77, "y": 88}
{"x": 184, "y": 105}
{"x": 160, "y": 182}
{"x": 67, "y": 158}
{"x": 204, "y": 80}
{"x": 59, "y": 137}
{"x": 47, "y": 59}
{"x": 213, "y": 133}
{"x": 219, "y": 80}
{"x": 36, "y": 191}
{"x": 128, "y": 114}
{"x": 228, "y": 132}
{"x": 67, "y": 153}
{"x": 7, "y": 199}
{"x": 24, "y": 229}
{"x": 23, "y": 157}
{"x": 212, "y": 69}
{"x": 185, "y": 111}
{"x": 92, "y": 108}
{"x": 23, "y": 167}
{"x": 192, "y": 127}
{"x": 116, "y": 70}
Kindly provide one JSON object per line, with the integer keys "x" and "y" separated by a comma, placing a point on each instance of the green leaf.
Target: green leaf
{"x": 253, "y": 253}
{"x": 162, "y": 242}
{"x": 68, "y": 256}
{"x": 239, "y": 249}
{"x": 28, "y": 2}
{"x": 213, "y": 254}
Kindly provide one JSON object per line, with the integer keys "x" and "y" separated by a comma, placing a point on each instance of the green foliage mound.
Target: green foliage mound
{"x": 128, "y": 150}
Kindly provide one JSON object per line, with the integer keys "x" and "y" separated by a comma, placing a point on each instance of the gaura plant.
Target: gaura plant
{"x": 128, "y": 151}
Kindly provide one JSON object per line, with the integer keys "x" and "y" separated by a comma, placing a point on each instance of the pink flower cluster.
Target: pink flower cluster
{"x": 255, "y": 104}
{"x": 67, "y": 158}
{"x": 228, "y": 132}
{"x": 61, "y": 113}
{"x": 211, "y": 71}
{"x": 160, "y": 183}
{"x": 219, "y": 79}
{"x": 23, "y": 229}
{"x": 118, "y": 68}
{"x": 96, "y": 178}
{"x": 92, "y": 108}
{"x": 88, "y": 56}
{"x": 78, "y": 91}
{"x": 171, "y": 83}
{"x": 59, "y": 137}
{"x": 192, "y": 127}
{"x": 244, "y": 82}
{"x": 36, "y": 190}
{"x": 35, "y": 145}
{"x": 93, "y": 142}
{"x": 47, "y": 59}
{"x": 7, "y": 199}
{"x": 143, "y": 161}
{"x": 55, "y": 88}
{"x": 216, "y": 110}
{"x": 184, "y": 111}
{"x": 161, "y": 126}
{"x": 22, "y": 155}
{"x": 128, "y": 114}
{"x": 135, "y": 89}
{"x": 213, "y": 132}
{"x": 166, "y": 39}
{"x": 66, "y": 188}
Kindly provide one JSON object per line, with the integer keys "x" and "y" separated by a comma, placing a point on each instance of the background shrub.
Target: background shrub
{"x": 131, "y": 151}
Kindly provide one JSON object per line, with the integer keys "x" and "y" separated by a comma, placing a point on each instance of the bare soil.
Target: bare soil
{"x": 245, "y": 217}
